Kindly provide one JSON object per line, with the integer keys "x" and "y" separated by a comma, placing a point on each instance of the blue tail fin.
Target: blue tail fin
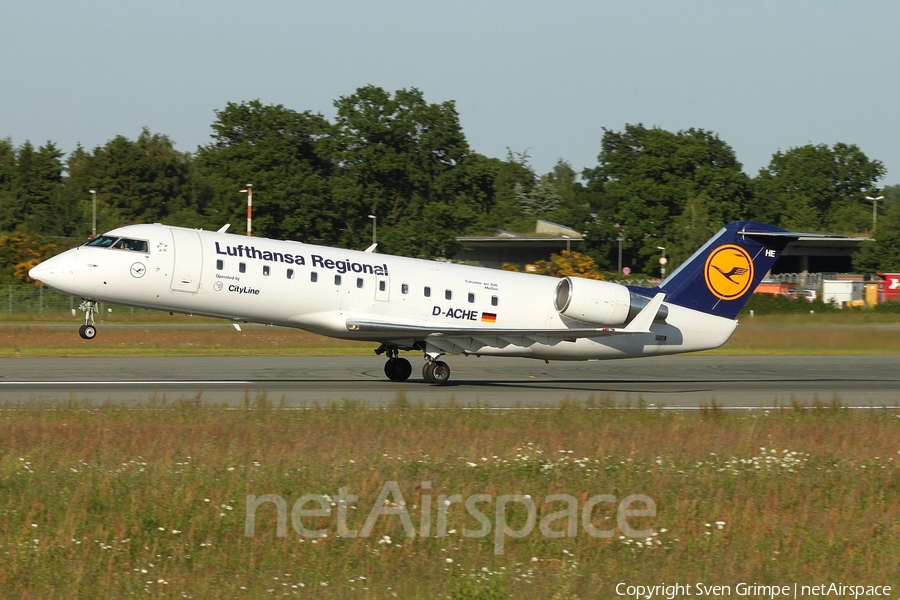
{"x": 720, "y": 276}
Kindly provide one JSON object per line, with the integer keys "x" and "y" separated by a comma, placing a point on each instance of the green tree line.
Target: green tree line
{"x": 407, "y": 162}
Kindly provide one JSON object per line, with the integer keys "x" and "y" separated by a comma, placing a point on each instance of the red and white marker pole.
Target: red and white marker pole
{"x": 249, "y": 192}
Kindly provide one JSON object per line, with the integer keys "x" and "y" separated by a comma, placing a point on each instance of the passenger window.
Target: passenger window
{"x": 242, "y": 267}
{"x": 404, "y": 288}
{"x": 359, "y": 282}
{"x": 220, "y": 264}
{"x": 290, "y": 273}
{"x": 266, "y": 270}
{"x": 494, "y": 300}
{"x": 314, "y": 277}
{"x": 471, "y": 297}
{"x": 448, "y": 294}
{"x": 427, "y": 292}
{"x": 337, "y": 280}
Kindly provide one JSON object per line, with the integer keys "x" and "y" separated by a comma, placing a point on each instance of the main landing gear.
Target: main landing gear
{"x": 435, "y": 371}
{"x": 398, "y": 369}
{"x": 88, "y": 331}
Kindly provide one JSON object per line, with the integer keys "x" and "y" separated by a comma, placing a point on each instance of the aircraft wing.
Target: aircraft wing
{"x": 457, "y": 340}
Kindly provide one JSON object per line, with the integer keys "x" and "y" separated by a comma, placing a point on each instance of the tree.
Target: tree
{"x": 541, "y": 200}
{"x": 136, "y": 181}
{"x": 883, "y": 254}
{"x": 19, "y": 252}
{"x": 504, "y": 211}
{"x": 817, "y": 188}
{"x": 569, "y": 263}
{"x": 574, "y": 207}
{"x": 30, "y": 188}
{"x": 280, "y": 152}
{"x": 648, "y": 177}
{"x": 396, "y": 156}
{"x": 9, "y": 206}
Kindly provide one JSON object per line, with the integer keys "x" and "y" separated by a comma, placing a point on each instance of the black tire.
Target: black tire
{"x": 81, "y": 332}
{"x": 89, "y": 332}
{"x": 390, "y": 369}
{"x": 404, "y": 369}
{"x": 437, "y": 372}
{"x": 397, "y": 369}
{"x": 426, "y": 373}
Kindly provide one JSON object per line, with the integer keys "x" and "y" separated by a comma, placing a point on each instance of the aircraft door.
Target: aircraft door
{"x": 382, "y": 288}
{"x": 188, "y": 261}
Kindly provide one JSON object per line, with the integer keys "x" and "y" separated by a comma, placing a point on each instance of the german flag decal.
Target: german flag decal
{"x": 488, "y": 317}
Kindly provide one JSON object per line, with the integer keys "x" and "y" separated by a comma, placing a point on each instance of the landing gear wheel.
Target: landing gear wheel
{"x": 426, "y": 373}
{"x": 437, "y": 372}
{"x": 88, "y": 331}
{"x": 397, "y": 369}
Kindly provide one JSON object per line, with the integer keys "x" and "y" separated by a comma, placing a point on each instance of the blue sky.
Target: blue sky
{"x": 537, "y": 76}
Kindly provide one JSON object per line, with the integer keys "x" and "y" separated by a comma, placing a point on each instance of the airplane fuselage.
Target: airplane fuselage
{"x": 326, "y": 290}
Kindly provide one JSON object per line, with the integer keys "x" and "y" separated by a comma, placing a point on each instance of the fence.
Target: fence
{"x": 808, "y": 280}
{"x": 33, "y": 299}
{"x": 24, "y": 298}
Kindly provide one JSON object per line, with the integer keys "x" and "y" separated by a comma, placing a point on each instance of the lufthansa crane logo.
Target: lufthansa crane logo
{"x": 728, "y": 272}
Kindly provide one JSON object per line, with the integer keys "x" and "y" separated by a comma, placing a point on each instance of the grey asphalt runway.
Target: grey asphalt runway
{"x": 679, "y": 381}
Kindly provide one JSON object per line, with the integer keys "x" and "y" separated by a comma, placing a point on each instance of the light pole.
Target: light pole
{"x": 662, "y": 262}
{"x": 94, "y": 218}
{"x": 249, "y": 191}
{"x": 374, "y": 225}
{"x": 620, "y": 240}
{"x": 874, "y": 209}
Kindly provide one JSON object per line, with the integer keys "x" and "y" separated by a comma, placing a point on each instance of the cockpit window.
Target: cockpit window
{"x": 104, "y": 241}
{"x": 133, "y": 245}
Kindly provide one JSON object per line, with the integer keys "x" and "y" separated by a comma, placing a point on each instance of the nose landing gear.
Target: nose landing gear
{"x": 88, "y": 331}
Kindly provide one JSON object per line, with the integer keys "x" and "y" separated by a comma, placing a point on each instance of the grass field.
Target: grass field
{"x": 113, "y": 502}
{"x": 109, "y": 501}
{"x": 155, "y": 334}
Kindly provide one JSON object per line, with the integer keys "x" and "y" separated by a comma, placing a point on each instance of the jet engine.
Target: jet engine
{"x": 600, "y": 302}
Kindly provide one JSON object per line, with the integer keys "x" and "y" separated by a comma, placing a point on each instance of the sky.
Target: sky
{"x": 541, "y": 77}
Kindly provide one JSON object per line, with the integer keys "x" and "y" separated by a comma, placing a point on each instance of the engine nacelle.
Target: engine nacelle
{"x": 600, "y": 302}
{"x": 592, "y": 301}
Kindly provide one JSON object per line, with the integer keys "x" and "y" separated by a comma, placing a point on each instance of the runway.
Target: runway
{"x": 679, "y": 381}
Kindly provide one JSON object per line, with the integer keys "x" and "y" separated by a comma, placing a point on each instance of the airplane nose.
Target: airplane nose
{"x": 53, "y": 269}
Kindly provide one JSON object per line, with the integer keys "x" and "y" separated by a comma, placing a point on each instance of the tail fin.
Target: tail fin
{"x": 720, "y": 276}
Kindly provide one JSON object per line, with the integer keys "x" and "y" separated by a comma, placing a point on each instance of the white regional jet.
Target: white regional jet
{"x": 409, "y": 304}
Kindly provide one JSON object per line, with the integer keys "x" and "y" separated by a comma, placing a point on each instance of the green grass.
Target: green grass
{"x": 149, "y": 334}
{"x": 104, "y": 501}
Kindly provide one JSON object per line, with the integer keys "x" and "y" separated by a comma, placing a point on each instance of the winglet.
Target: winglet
{"x": 371, "y": 248}
{"x": 644, "y": 319}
